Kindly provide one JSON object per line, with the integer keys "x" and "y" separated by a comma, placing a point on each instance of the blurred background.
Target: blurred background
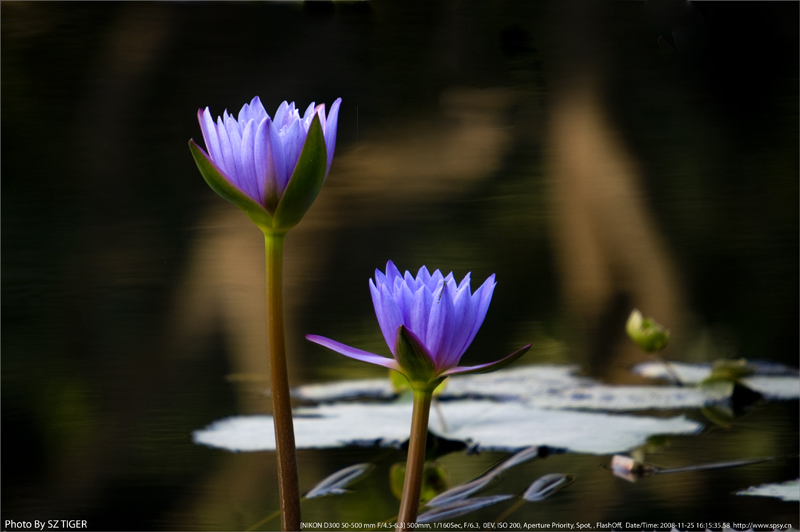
{"x": 595, "y": 156}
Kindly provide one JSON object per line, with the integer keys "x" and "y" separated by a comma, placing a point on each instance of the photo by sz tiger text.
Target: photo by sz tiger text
{"x": 47, "y": 524}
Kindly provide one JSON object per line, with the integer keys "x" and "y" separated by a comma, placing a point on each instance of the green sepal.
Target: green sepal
{"x": 413, "y": 357}
{"x": 306, "y": 180}
{"x": 401, "y": 385}
{"x": 220, "y": 184}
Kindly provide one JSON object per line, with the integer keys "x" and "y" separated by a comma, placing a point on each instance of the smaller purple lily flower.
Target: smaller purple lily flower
{"x": 428, "y": 322}
{"x": 251, "y": 159}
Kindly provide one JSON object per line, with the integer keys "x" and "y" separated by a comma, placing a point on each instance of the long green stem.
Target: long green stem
{"x": 288, "y": 487}
{"x": 412, "y": 487}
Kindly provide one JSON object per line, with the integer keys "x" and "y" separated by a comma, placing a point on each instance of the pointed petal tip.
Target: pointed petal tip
{"x": 352, "y": 352}
{"x": 488, "y": 367}
{"x": 195, "y": 146}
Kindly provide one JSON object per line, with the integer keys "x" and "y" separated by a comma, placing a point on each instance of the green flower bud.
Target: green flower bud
{"x": 648, "y": 334}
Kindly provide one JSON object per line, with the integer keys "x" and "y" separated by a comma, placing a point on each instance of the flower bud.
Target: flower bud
{"x": 648, "y": 334}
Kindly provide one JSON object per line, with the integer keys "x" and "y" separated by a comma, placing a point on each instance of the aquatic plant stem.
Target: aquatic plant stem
{"x": 288, "y": 486}
{"x": 412, "y": 486}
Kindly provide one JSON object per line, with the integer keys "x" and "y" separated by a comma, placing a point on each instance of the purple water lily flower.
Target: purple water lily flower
{"x": 258, "y": 154}
{"x": 428, "y": 322}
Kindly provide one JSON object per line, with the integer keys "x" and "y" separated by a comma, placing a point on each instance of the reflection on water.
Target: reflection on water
{"x": 589, "y": 167}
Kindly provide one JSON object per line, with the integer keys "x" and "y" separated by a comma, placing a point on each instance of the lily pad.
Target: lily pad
{"x": 343, "y": 390}
{"x": 770, "y": 380}
{"x": 544, "y": 386}
{"x": 488, "y": 425}
{"x": 787, "y": 491}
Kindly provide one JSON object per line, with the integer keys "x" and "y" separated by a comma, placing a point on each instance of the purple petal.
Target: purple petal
{"x": 434, "y": 280}
{"x": 308, "y": 116}
{"x": 405, "y": 300}
{"x": 480, "y": 299}
{"x": 293, "y": 139}
{"x": 210, "y": 136}
{"x": 226, "y": 160}
{"x": 252, "y": 111}
{"x": 248, "y": 173}
{"x": 411, "y": 282}
{"x": 420, "y": 311}
{"x": 235, "y": 138}
{"x": 352, "y": 352}
{"x": 488, "y": 367}
{"x": 440, "y": 329}
{"x": 281, "y": 114}
{"x": 380, "y": 278}
{"x": 278, "y": 159}
{"x": 331, "y": 124}
{"x": 464, "y": 312}
{"x": 261, "y": 146}
{"x": 424, "y": 277}
{"x": 389, "y": 317}
{"x": 391, "y": 273}
{"x": 449, "y": 356}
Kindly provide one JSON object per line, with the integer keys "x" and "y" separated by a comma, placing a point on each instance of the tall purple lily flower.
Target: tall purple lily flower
{"x": 428, "y": 322}
{"x": 272, "y": 168}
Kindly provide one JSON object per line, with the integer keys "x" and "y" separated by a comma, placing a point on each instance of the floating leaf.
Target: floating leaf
{"x": 521, "y": 457}
{"x": 545, "y": 486}
{"x": 336, "y": 483}
{"x": 546, "y": 386}
{"x": 461, "y": 507}
{"x": 465, "y": 490}
{"x": 462, "y": 491}
{"x": 558, "y": 386}
{"x": 348, "y": 389}
{"x": 774, "y": 387}
{"x": 773, "y": 381}
{"x": 488, "y": 425}
{"x": 787, "y": 491}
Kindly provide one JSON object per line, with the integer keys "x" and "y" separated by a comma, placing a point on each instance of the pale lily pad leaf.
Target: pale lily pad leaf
{"x": 773, "y": 381}
{"x": 465, "y": 490}
{"x": 548, "y": 386}
{"x": 337, "y": 483}
{"x": 507, "y": 426}
{"x": 345, "y": 390}
{"x": 460, "y": 507}
{"x": 543, "y": 386}
{"x": 787, "y": 491}
{"x": 547, "y": 485}
{"x": 778, "y": 387}
{"x": 518, "y": 458}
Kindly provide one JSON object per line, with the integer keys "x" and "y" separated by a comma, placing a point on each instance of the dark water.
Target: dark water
{"x": 595, "y": 158}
